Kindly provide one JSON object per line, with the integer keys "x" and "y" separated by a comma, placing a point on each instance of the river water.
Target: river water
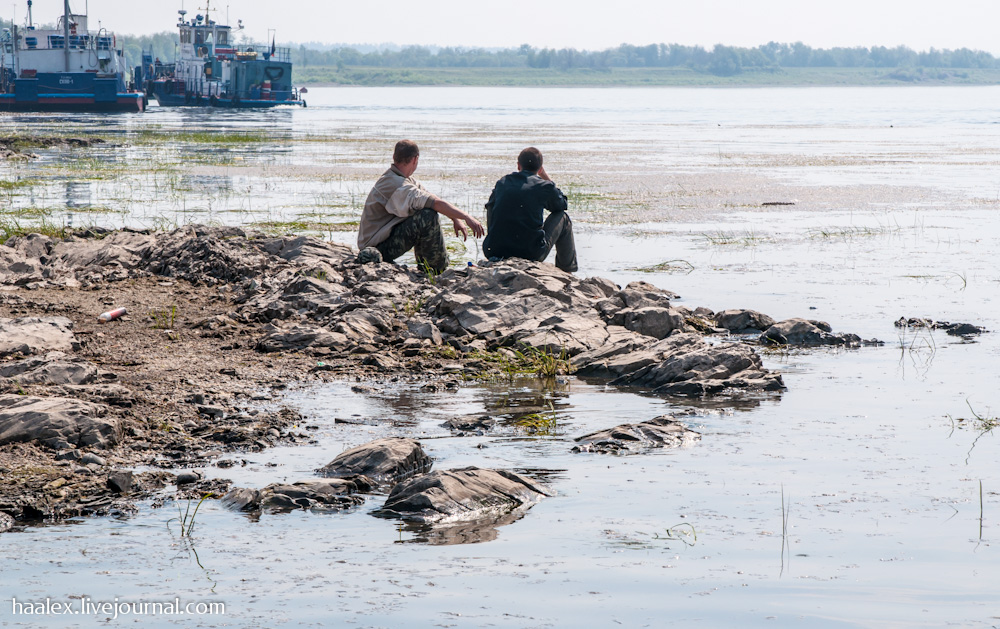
{"x": 864, "y": 496}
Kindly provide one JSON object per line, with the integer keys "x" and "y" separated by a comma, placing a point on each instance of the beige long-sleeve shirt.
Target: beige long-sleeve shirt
{"x": 393, "y": 199}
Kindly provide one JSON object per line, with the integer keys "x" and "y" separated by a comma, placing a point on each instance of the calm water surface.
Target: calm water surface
{"x": 851, "y": 500}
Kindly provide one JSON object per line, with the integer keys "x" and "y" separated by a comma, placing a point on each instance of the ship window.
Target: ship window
{"x": 104, "y": 43}
{"x": 199, "y": 37}
{"x": 56, "y": 41}
{"x": 223, "y": 38}
{"x": 78, "y": 41}
{"x": 31, "y": 42}
{"x": 185, "y": 36}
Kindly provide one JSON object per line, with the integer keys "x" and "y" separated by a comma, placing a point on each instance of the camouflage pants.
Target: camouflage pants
{"x": 422, "y": 233}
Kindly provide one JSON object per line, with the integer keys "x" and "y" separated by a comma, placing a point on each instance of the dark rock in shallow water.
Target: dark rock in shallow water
{"x": 385, "y": 461}
{"x": 56, "y": 421}
{"x": 460, "y": 495}
{"x": 474, "y": 424}
{"x": 321, "y": 494}
{"x": 955, "y": 329}
{"x": 807, "y": 332}
{"x": 659, "y": 432}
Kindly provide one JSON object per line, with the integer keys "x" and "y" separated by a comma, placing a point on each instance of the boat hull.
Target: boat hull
{"x": 74, "y": 103}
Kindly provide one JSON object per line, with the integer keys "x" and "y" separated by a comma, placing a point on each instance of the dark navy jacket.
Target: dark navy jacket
{"x": 514, "y": 216}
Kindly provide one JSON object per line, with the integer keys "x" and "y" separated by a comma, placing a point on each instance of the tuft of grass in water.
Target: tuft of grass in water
{"x": 854, "y": 231}
{"x": 984, "y": 424}
{"x": 683, "y": 532}
{"x": 539, "y": 423}
{"x": 669, "y": 266}
{"x": 748, "y": 238}
{"x": 186, "y": 519}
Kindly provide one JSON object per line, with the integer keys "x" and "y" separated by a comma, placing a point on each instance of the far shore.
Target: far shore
{"x": 357, "y": 76}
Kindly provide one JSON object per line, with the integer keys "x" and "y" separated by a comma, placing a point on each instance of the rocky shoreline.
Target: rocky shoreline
{"x": 96, "y": 416}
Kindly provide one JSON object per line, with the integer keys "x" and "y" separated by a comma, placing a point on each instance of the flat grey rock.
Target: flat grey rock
{"x": 56, "y": 421}
{"x": 36, "y": 335}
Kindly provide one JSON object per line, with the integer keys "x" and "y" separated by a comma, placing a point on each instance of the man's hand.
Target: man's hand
{"x": 476, "y": 226}
{"x": 541, "y": 173}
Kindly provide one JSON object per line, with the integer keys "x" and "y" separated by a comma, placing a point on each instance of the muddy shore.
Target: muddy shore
{"x": 220, "y": 321}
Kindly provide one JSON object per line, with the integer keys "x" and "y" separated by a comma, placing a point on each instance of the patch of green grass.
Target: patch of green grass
{"x": 11, "y": 226}
{"x": 164, "y": 136}
{"x": 8, "y": 186}
{"x": 164, "y": 319}
{"x": 524, "y": 361}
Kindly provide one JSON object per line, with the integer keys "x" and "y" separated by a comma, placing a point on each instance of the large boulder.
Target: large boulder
{"x": 743, "y": 321}
{"x": 6, "y": 522}
{"x": 385, "y": 461}
{"x": 470, "y": 493}
{"x": 56, "y": 422}
{"x": 314, "y": 494}
{"x": 36, "y": 335}
{"x": 659, "y": 432}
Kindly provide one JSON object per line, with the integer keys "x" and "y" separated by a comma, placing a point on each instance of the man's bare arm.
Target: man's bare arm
{"x": 457, "y": 216}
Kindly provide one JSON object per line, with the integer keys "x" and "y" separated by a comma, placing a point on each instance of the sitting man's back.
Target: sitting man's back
{"x": 514, "y": 216}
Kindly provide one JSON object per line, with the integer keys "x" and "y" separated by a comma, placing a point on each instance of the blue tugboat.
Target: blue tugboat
{"x": 212, "y": 70}
{"x": 69, "y": 68}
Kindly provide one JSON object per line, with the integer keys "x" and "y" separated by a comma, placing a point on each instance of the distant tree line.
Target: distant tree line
{"x": 720, "y": 60}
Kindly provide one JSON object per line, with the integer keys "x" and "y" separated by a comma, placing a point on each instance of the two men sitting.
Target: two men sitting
{"x": 400, "y": 214}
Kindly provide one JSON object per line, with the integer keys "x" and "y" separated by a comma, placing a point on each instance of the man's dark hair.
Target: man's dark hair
{"x": 530, "y": 159}
{"x": 405, "y": 151}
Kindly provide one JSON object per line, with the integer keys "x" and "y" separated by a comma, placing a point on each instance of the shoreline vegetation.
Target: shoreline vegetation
{"x": 361, "y": 76}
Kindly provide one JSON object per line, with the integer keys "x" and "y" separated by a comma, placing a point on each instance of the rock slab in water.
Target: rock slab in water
{"x": 36, "y": 335}
{"x": 385, "y": 461}
{"x": 332, "y": 493}
{"x": 659, "y": 432}
{"x": 56, "y": 421}
{"x": 465, "y": 494}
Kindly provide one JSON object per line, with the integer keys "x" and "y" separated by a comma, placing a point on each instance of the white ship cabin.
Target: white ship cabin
{"x": 42, "y": 50}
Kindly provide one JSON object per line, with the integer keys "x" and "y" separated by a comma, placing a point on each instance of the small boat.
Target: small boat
{"x": 211, "y": 69}
{"x": 69, "y": 68}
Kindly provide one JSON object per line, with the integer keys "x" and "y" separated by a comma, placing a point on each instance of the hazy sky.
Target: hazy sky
{"x": 587, "y": 24}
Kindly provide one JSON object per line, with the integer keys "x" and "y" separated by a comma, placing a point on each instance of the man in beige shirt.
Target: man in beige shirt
{"x": 400, "y": 214}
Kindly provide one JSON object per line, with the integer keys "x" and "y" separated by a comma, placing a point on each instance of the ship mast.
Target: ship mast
{"x": 66, "y": 31}
{"x": 30, "y": 25}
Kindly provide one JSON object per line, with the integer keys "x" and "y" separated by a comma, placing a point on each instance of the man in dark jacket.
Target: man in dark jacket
{"x": 514, "y": 214}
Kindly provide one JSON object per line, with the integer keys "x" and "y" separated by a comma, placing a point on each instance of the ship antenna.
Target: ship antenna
{"x": 30, "y": 25}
